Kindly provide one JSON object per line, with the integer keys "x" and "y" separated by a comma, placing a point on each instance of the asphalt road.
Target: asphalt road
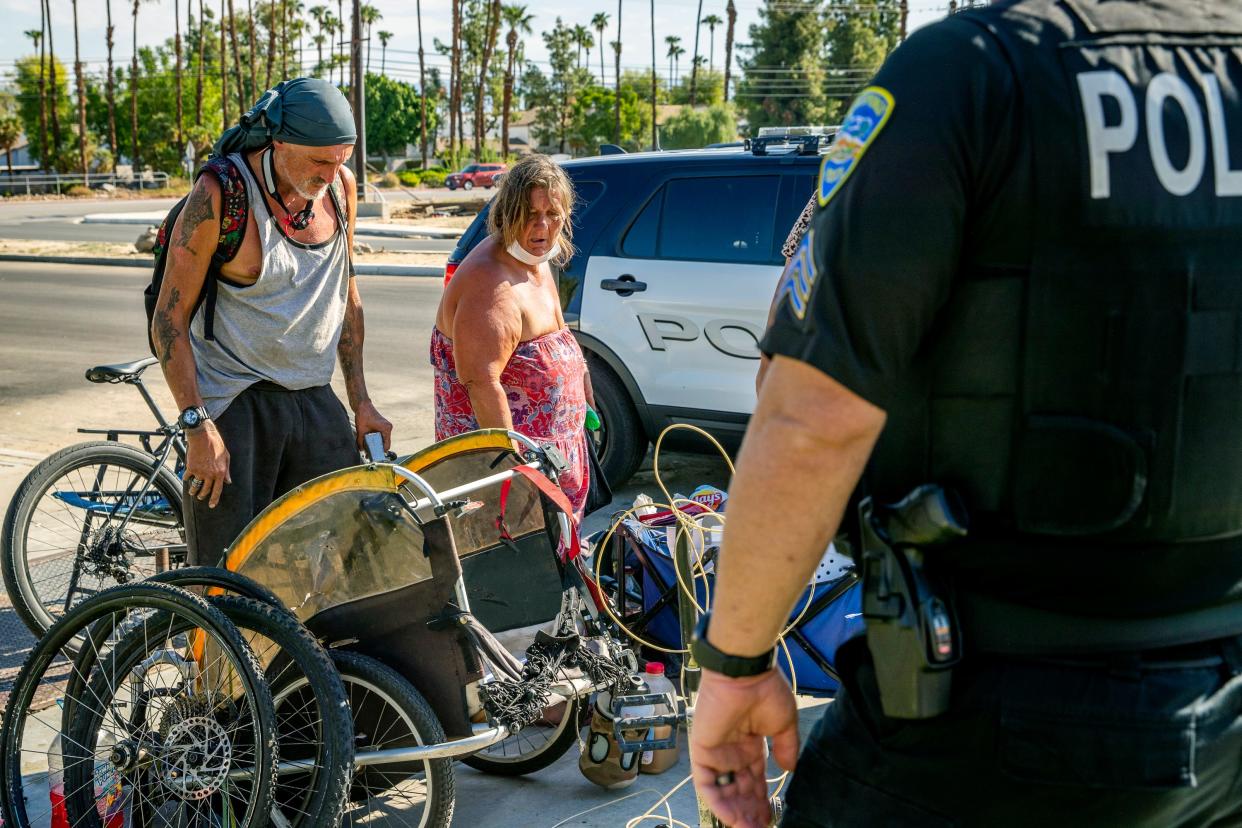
{"x": 56, "y": 321}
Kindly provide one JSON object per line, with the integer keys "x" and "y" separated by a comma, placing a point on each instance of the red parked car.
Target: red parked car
{"x": 476, "y": 175}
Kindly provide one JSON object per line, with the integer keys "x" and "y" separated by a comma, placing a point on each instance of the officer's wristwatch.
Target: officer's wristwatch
{"x": 193, "y": 418}
{"x": 710, "y": 658}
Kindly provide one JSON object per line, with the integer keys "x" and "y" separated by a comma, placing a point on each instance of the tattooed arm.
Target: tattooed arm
{"x": 190, "y": 247}
{"x": 349, "y": 349}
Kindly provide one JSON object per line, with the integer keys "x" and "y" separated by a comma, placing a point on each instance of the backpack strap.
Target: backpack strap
{"x": 234, "y": 218}
{"x": 343, "y": 213}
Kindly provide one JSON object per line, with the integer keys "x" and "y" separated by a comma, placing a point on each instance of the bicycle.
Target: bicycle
{"x": 95, "y": 514}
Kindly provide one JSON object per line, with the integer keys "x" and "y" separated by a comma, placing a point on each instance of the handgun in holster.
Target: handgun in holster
{"x": 912, "y": 629}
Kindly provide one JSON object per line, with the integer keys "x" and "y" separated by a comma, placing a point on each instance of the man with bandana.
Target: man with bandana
{"x": 252, "y": 382}
{"x": 1021, "y": 285}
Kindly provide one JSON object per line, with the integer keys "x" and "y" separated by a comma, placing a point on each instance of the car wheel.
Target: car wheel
{"x": 621, "y": 441}
{"x": 451, "y": 185}
{"x": 468, "y": 185}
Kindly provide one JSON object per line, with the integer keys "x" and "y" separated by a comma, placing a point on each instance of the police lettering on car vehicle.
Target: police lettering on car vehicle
{"x": 1016, "y": 317}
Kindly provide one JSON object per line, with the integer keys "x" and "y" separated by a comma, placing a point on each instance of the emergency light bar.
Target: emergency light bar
{"x": 802, "y": 140}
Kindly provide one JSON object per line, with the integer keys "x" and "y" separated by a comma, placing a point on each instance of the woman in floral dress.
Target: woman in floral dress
{"x": 502, "y": 355}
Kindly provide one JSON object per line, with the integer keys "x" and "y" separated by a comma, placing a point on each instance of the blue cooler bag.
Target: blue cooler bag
{"x": 834, "y": 617}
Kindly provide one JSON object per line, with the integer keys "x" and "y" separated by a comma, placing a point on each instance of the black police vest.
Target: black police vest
{"x": 1098, "y": 395}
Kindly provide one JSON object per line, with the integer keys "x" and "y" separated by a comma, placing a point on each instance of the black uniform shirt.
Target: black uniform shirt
{"x": 933, "y": 186}
{"x": 937, "y": 187}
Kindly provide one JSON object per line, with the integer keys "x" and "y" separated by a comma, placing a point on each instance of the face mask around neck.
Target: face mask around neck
{"x": 520, "y": 253}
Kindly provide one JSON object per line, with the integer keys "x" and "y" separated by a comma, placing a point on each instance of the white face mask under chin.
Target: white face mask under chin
{"x": 522, "y": 255}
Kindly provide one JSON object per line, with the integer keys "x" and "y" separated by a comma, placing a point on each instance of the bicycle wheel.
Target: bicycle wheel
{"x": 89, "y": 517}
{"x": 175, "y": 724}
{"x": 389, "y": 712}
{"x": 314, "y": 729}
{"x": 534, "y": 747}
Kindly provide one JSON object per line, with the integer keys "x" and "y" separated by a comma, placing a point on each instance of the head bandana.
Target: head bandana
{"x": 306, "y": 111}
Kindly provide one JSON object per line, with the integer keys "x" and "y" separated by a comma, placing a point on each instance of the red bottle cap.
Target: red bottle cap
{"x": 654, "y": 668}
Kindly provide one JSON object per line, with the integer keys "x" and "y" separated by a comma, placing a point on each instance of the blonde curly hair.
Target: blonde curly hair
{"x": 510, "y": 208}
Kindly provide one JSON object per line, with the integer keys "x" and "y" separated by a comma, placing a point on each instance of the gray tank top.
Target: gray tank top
{"x": 285, "y": 327}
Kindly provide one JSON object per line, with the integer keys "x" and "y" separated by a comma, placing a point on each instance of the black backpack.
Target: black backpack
{"x": 235, "y": 213}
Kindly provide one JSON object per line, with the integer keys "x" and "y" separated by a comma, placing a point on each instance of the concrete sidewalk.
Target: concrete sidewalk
{"x": 362, "y": 228}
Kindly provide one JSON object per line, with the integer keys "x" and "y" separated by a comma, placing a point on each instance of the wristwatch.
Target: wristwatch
{"x": 193, "y": 417}
{"x": 710, "y": 658}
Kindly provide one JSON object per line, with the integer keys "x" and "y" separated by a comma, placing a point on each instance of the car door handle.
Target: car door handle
{"x": 624, "y": 285}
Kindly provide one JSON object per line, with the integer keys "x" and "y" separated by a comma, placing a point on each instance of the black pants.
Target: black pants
{"x": 1114, "y": 743}
{"x": 277, "y": 440}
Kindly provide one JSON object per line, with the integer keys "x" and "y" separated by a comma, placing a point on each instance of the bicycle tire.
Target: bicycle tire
{"x": 124, "y": 601}
{"x": 566, "y": 735}
{"x": 218, "y": 578}
{"x": 364, "y": 676}
{"x": 32, "y": 596}
{"x": 302, "y": 666}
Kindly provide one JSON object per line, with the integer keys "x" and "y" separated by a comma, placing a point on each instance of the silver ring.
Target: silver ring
{"x": 724, "y": 780}
{"x": 195, "y": 483}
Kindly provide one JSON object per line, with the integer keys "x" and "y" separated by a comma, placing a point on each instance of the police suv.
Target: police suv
{"x": 679, "y": 253}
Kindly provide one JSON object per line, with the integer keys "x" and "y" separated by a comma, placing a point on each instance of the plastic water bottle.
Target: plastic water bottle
{"x": 112, "y": 795}
{"x": 658, "y": 761}
{"x": 603, "y": 761}
{"x": 56, "y": 783}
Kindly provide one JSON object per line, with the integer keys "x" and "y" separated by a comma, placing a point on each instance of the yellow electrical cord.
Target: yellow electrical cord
{"x": 687, "y": 525}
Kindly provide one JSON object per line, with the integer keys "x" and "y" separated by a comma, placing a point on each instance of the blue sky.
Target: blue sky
{"x": 673, "y": 17}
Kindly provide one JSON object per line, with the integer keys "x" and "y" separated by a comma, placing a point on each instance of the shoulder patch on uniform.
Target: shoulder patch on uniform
{"x": 863, "y": 122}
{"x": 799, "y": 277}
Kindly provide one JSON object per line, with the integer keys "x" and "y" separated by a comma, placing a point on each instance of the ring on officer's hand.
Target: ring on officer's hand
{"x": 195, "y": 483}
{"x": 724, "y": 780}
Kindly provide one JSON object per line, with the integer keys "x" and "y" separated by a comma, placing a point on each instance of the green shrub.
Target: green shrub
{"x": 409, "y": 178}
{"x": 434, "y": 178}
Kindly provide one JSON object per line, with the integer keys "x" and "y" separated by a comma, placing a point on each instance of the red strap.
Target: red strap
{"x": 558, "y": 498}
{"x": 501, "y": 526}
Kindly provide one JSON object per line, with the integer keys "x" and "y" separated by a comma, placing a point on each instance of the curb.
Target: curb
{"x": 361, "y": 269}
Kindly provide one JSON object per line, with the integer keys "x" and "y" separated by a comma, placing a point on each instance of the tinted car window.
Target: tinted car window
{"x": 709, "y": 219}
{"x": 471, "y": 168}
{"x": 640, "y": 241}
{"x": 719, "y": 219}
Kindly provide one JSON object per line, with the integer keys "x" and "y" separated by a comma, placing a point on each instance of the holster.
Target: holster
{"x": 912, "y": 627}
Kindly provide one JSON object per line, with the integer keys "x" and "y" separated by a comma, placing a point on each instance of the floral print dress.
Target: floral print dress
{"x": 543, "y": 382}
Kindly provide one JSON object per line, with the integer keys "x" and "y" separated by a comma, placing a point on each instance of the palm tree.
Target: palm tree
{"x": 271, "y": 44}
{"x": 77, "y": 71}
{"x": 55, "y": 87}
{"x": 10, "y": 131}
{"x": 731, "y": 14}
{"x": 600, "y": 22}
{"x": 198, "y": 75}
{"x": 489, "y": 47}
{"x": 110, "y": 87}
{"x": 694, "y": 60}
{"x": 340, "y": 28}
{"x": 319, "y": 14}
{"x": 711, "y": 22}
{"x": 237, "y": 64}
{"x": 370, "y": 16}
{"x": 384, "y": 37}
{"x": 616, "y": 45}
{"x": 224, "y": 73}
{"x": 677, "y": 53}
{"x": 654, "y": 140}
{"x": 319, "y": 40}
{"x": 518, "y": 22}
{"x": 674, "y": 47}
{"x": 581, "y": 36}
{"x": 250, "y": 49}
{"x": 177, "y": 71}
{"x": 454, "y": 76}
{"x": 36, "y": 36}
{"x": 422, "y": 85}
{"x": 133, "y": 96}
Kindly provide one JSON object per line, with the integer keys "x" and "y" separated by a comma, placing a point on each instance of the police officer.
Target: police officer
{"x": 1023, "y": 283}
